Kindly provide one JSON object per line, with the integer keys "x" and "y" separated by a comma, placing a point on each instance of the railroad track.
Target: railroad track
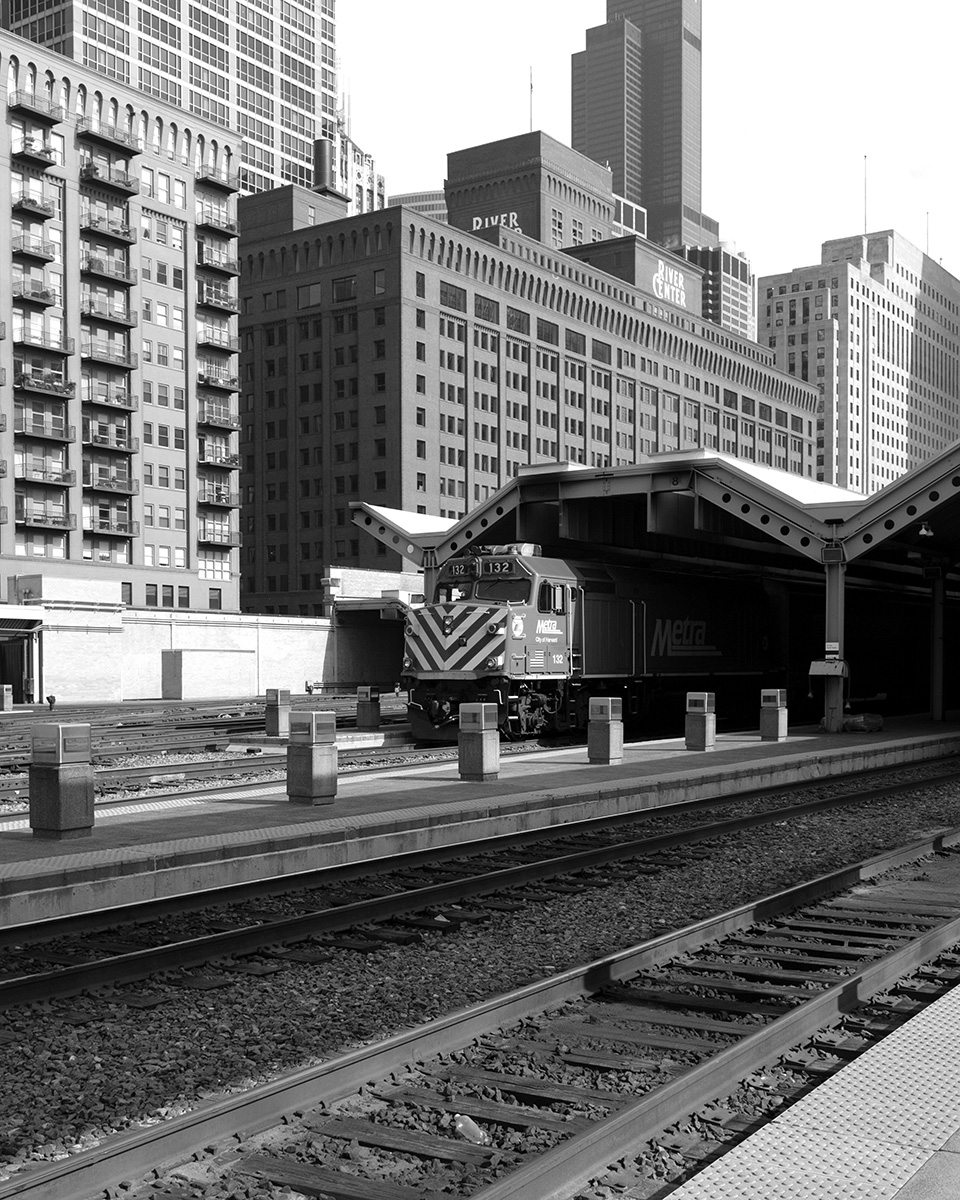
{"x": 535, "y": 1093}
{"x": 146, "y": 734}
{"x": 422, "y": 892}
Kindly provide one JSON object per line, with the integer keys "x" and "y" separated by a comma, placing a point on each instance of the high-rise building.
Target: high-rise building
{"x": 417, "y": 366}
{"x": 427, "y": 204}
{"x": 118, "y": 352}
{"x": 729, "y": 286}
{"x": 875, "y": 325}
{"x": 636, "y": 105}
{"x": 266, "y": 70}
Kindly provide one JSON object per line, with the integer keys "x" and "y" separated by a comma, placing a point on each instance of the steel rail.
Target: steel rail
{"x": 560, "y": 1173}
{"x": 141, "y": 964}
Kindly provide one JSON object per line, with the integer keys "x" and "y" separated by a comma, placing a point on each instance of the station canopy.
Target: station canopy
{"x": 723, "y": 513}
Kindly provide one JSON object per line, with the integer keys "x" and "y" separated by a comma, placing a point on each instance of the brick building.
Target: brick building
{"x": 396, "y": 360}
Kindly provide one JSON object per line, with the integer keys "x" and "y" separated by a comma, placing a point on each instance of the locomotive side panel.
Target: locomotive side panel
{"x": 609, "y": 636}
{"x": 707, "y": 627}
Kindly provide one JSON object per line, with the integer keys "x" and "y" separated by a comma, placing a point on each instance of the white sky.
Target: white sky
{"x": 795, "y": 95}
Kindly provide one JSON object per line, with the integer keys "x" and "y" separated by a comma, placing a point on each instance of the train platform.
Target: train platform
{"x": 884, "y": 1127}
{"x": 170, "y": 845}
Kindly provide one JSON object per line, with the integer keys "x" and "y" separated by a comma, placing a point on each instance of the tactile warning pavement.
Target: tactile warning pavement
{"x": 862, "y": 1133}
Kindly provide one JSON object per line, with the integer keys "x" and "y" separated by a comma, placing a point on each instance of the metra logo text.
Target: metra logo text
{"x": 547, "y": 627}
{"x": 680, "y": 638}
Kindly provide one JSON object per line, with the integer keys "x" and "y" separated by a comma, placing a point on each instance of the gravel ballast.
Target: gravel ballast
{"x": 66, "y": 1085}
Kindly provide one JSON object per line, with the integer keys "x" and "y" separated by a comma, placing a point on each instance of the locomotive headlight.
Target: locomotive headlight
{"x": 409, "y": 630}
{"x": 493, "y": 627}
{"x": 407, "y": 664}
{"x": 495, "y": 660}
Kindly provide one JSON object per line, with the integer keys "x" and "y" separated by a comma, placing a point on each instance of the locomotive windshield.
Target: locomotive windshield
{"x": 507, "y": 591}
{"x": 501, "y": 579}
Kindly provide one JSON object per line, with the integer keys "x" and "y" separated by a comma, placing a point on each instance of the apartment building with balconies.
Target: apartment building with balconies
{"x": 118, "y": 345}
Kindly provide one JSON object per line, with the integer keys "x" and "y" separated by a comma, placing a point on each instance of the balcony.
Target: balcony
{"x": 108, "y": 352}
{"x": 115, "y": 227}
{"x": 52, "y": 428}
{"x": 214, "y": 297}
{"x": 34, "y": 291}
{"x": 213, "y": 218}
{"x": 32, "y": 335}
{"x": 113, "y": 177}
{"x": 215, "y": 177}
{"x": 208, "y": 335}
{"x": 46, "y": 518}
{"x": 209, "y": 377}
{"x": 115, "y": 396}
{"x": 117, "y": 526}
{"x": 37, "y": 106}
{"x": 31, "y": 246}
{"x": 34, "y": 204}
{"x": 118, "y": 440}
{"x": 92, "y": 306}
{"x": 50, "y": 382}
{"x": 215, "y": 260}
{"x": 35, "y": 150}
{"x": 215, "y": 536}
{"x": 110, "y": 268}
{"x": 110, "y": 483}
{"x": 213, "y": 456}
{"x": 109, "y": 135}
{"x": 57, "y": 476}
{"x": 217, "y": 414}
{"x": 209, "y": 494}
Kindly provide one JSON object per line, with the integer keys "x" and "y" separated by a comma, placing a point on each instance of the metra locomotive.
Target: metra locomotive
{"x": 539, "y": 636}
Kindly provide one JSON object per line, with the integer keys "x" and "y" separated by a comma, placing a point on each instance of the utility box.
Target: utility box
{"x": 478, "y": 744}
{"x": 313, "y": 728}
{"x": 605, "y": 730}
{"x": 276, "y": 717}
{"x": 605, "y": 708}
{"x": 61, "y": 782}
{"x": 474, "y": 718}
{"x": 312, "y": 758}
{"x": 773, "y": 714}
{"x": 368, "y": 709}
{"x": 6, "y": 697}
{"x": 54, "y": 745}
{"x": 700, "y": 724}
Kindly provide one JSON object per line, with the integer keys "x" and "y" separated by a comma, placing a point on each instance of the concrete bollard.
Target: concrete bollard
{"x": 478, "y": 743}
{"x": 605, "y": 730}
{"x": 61, "y": 782}
{"x": 312, "y": 758}
{"x": 700, "y": 726}
{"x": 277, "y": 713}
{"x": 368, "y": 709}
{"x": 773, "y": 714}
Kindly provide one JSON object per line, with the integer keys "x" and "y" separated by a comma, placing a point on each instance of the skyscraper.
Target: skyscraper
{"x": 874, "y": 326}
{"x": 655, "y": 153}
{"x": 266, "y": 70}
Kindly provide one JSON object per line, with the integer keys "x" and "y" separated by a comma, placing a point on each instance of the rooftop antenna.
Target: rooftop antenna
{"x": 928, "y": 233}
{"x": 531, "y": 99}
{"x": 864, "y": 194}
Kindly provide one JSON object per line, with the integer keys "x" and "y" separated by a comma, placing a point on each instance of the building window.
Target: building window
{"x": 151, "y": 595}
{"x": 215, "y": 598}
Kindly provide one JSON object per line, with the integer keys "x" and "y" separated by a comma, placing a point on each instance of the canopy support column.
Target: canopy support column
{"x": 834, "y": 684}
{"x": 938, "y": 593}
